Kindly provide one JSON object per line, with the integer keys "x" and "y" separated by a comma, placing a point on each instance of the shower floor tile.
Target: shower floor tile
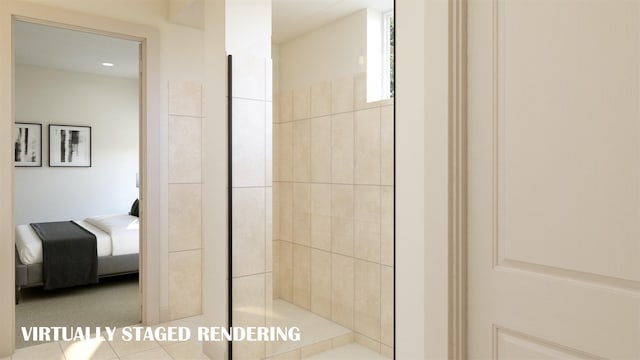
{"x": 348, "y": 352}
{"x": 313, "y": 328}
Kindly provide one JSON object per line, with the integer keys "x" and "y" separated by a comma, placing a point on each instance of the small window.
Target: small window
{"x": 388, "y": 59}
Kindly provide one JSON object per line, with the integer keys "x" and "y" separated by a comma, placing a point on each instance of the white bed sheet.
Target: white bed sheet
{"x": 123, "y": 230}
{"x": 29, "y": 244}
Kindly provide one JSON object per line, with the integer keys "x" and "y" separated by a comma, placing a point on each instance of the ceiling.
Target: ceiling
{"x": 58, "y": 48}
{"x": 292, "y": 18}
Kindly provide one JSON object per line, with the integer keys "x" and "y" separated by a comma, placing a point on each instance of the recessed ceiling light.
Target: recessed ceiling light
{"x": 107, "y": 64}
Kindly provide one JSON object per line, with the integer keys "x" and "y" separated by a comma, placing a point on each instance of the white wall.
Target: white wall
{"x": 334, "y": 51}
{"x": 110, "y": 106}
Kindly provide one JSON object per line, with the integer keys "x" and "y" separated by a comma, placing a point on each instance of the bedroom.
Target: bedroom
{"x": 72, "y": 87}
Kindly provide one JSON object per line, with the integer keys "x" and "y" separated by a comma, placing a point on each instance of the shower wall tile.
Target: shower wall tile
{"x": 302, "y": 276}
{"x": 276, "y": 269}
{"x": 386, "y": 244}
{"x": 321, "y": 99}
{"x": 342, "y": 292}
{"x": 185, "y": 217}
{"x": 185, "y": 98}
{"x": 268, "y": 231}
{"x": 321, "y": 232}
{"x": 342, "y": 236}
{"x": 386, "y": 146}
{"x": 285, "y": 108}
{"x": 286, "y": 211}
{"x": 247, "y": 71}
{"x": 285, "y": 148}
{"x": 302, "y": 103}
{"x": 342, "y": 148}
{"x": 367, "y": 241}
{"x": 367, "y": 299}
{"x": 185, "y": 283}
{"x": 249, "y": 134}
{"x": 367, "y": 203}
{"x": 367, "y": 342}
{"x": 342, "y": 201}
{"x": 249, "y": 293}
{"x": 386, "y": 306}
{"x": 302, "y": 213}
{"x": 302, "y": 150}
{"x": 321, "y": 199}
{"x": 321, "y": 283}
{"x": 386, "y": 351}
{"x": 249, "y": 232}
{"x": 321, "y": 149}
{"x": 342, "y": 95}
{"x": 185, "y": 149}
{"x": 367, "y": 146}
{"x": 275, "y": 153}
{"x": 275, "y": 210}
{"x": 286, "y": 271}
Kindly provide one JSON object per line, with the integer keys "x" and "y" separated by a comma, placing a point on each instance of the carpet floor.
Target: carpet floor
{"x": 113, "y": 302}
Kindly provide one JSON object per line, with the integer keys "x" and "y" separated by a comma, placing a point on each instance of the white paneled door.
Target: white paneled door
{"x": 553, "y": 179}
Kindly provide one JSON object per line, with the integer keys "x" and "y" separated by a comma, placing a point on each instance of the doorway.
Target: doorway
{"x": 77, "y": 121}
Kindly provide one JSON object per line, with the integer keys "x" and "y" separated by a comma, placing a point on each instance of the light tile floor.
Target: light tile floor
{"x": 348, "y": 352}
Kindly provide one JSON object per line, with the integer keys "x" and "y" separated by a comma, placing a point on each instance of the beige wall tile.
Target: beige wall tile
{"x": 386, "y": 244}
{"x": 321, "y": 232}
{"x": 342, "y": 236}
{"x": 302, "y": 276}
{"x": 386, "y": 146}
{"x": 321, "y": 199}
{"x": 276, "y": 269}
{"x": 185, "y": 217}
{"x": 286, "y": 211}
{"x": 249, "y": 145}
{"x": 367, "y": 241}
{"x": 286, "y": 271}
{"x": 291, "y": 355}
{"x": 321, "y": 283}
{"x": 249, "y": 232}
{"x": 185, "y": 283}
{"x": 367, "y": 146}
{"x": 302, "y": 213}
{"x": 285, "y": 149}
{"x": 342, "y": 95}
{"x": 342, "y": 201}
{"x": 276, "y": 108}
{"x": 386, "y": 306}
{"x": 285, "y": 106}
{"x": 249, "y": 77}
{"x": 321, "y": 99}
{"x": 275, "y": 210}
{"x": 302, "y": 103}
{"x": 342, "y": 340}
{"x": 185, "y": 149}
{"x": 367, "y": 203}
{"x": 342, "y": 148}
{"x": 185, "y": 98}
{"x": 302, "y": 150}
{"x": 342, "y": 292}
{"x": 387, "y": 204}
{"x": 275, "y": 153}
{"x": 367, "y": 299}
{"x": 321, "y": 149}
{"x": 249, "y": 295}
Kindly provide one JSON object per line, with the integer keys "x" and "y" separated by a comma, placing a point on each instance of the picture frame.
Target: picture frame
{"x": 69, "y": 146}
{"x": 27, "y": 144}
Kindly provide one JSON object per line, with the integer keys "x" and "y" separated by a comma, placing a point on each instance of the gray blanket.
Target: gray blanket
{"x": 69, "y": 254}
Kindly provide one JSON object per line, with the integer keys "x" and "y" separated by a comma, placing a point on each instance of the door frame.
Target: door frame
{"x": 431, "y": 179}
{"x": 149, "y": 151}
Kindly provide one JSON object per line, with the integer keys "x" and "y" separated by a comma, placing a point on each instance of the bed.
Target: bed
{"x": 116, "y": 245}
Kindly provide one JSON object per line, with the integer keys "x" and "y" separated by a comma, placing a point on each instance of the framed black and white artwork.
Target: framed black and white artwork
{"x": 27, "y": 144}
{"x": 69, "y": 146}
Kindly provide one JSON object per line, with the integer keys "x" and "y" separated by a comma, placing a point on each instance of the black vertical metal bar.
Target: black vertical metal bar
{"x": 395, "y": 181}
{"x": 229, "y": 202}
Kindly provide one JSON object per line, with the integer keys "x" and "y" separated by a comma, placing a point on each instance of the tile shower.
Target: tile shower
{"x": 333, "y": 208}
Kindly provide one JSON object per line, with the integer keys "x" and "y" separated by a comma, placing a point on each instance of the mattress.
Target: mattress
{"x": 115, "y": 235}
